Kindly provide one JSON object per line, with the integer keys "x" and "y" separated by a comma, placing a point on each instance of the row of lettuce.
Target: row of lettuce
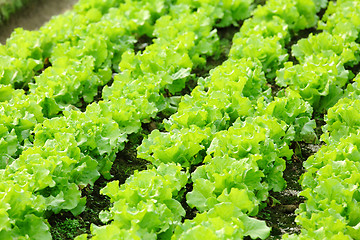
{"x": 231, "y": 131}
{"x": 237, "y": 166}
{"x": 330, "y": 183}
{"x": 230, "y": 128}
{"x": 50, "y": 149}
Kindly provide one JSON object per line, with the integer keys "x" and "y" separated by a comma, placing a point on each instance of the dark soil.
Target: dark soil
{"x": 280, "y": 211}
{"x": 126, "y": 163}
{"x": 67, "y": 226}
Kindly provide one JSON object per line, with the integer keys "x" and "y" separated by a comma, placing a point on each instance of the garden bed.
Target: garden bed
{"x": 143, "y": 142}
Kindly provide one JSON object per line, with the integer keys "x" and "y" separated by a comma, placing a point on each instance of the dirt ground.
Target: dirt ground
{"x": 34, "y": 15}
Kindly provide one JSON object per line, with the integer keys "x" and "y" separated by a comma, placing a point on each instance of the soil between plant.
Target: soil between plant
{"x": 280, "y": 211}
